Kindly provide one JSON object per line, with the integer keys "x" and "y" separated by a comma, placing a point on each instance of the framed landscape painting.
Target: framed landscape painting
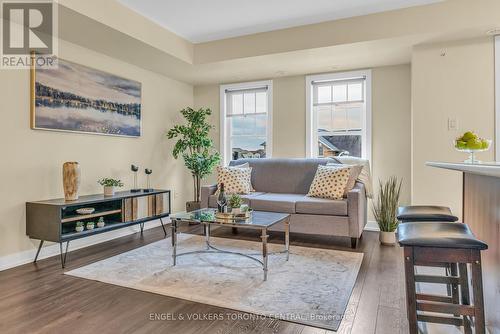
{"x": 77, "y": 98}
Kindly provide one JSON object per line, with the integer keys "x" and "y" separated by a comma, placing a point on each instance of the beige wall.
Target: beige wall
{"x": 32, "y": 159}
{"x": 449, "y": 80}
{"x": 391, "y": 141}
{"x": 390, "y": 113}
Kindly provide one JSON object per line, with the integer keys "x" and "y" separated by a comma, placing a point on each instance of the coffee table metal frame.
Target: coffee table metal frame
{"x": 209, "y": 248}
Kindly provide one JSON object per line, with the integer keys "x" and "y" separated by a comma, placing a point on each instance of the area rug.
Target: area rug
{"x": 312, "y": 288}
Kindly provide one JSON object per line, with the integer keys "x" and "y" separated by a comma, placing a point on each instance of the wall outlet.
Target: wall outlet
{"x": 452, "y": 124}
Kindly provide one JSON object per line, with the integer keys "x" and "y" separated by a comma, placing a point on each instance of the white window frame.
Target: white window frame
{"x": 225, "y": 146}
{"x": 497, "y": 98}
{"x": 311, "y": 133}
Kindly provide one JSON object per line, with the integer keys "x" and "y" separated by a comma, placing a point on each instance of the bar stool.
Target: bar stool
{"x": 425, "y": 213}
{"x": 432, "y": 213}
{"x": 428, "y": 243}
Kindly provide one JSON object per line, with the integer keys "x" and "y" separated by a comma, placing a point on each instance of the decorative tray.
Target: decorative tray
{"x": 85, "y": 211}
{"x": 232, "y": 216}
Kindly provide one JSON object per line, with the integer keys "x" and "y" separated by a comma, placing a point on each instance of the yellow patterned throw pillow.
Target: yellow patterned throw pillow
{"x": 236, "y": 180}
{"x": 329, "y": 182}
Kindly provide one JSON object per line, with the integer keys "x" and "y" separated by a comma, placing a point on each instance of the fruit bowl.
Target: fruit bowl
{"x": 481, "y": 145}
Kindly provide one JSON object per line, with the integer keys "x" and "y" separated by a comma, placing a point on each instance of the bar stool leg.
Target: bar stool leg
{"x": 464, "y": 292}
{"x": 411, "y": 295}
{"x": 477, "y": 289}
{"x": 455, "y": 298}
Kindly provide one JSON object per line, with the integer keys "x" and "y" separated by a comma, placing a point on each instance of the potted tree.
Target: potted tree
{"x": 196, "y": 148}
{"x": 385, "y": 210}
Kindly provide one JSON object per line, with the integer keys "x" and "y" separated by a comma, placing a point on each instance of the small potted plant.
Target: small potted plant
{"x": 79, "y": 227}
{"x": 385, "y": 210}
{"x": 100, "y": 222}
{"x": 90, "y": 225}
{"x": 109, "y": 185}
{"x": 235, "y": 202}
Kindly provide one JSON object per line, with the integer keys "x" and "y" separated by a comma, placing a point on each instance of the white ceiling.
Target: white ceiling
{"x": 206, "y": 20}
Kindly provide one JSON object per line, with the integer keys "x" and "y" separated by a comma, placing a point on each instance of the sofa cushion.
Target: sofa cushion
{"x": 329, "y": 182}
{"x": 212, "y": 199}
{"x": 284, "y": 176}
{"x": 235, "y": 180}
{"x": 365, "y": 176}
{"x": 321, "y": 206}
{"x": 276, "y": 202}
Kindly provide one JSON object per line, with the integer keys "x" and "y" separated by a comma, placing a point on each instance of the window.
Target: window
{"x": 246, "y": 115}
{"x": 338, "y": 114}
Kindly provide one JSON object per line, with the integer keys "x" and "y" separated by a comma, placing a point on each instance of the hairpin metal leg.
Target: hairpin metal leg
{"x": 38, "y": 250}
{"x": 163, "y": 227}
{"x": 63, "y": 254}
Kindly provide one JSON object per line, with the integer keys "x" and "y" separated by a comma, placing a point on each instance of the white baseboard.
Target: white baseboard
{"x": 371, "y": 225}
{"x": 17, "y": 259}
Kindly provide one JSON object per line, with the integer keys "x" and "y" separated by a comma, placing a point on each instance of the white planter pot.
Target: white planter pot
{"x": 109, "y": 191}
{"x": 79, "y": 228}
{"x": 236, "y": 211}
{"x": 387, "y": 238}
{"x": 90, "y": 227}
{"x": 99, "y": 224}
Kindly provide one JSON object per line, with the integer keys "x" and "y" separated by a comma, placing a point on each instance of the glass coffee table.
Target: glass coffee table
{"x": 259, "y": 220}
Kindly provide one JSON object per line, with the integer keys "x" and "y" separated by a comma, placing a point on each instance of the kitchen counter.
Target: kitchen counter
{"x": 481, "y": 211}
{"x": 485, "y": 168}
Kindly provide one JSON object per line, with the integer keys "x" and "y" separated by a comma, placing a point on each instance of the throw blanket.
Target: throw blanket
{"x": 365, "y": 177}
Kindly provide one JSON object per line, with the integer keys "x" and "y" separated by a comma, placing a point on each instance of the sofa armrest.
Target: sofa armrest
{"x": 206, "y": 191}
{"x": 357, "y": 210}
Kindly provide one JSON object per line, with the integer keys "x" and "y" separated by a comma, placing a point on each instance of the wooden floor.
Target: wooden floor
{"x": 38, "y": 298}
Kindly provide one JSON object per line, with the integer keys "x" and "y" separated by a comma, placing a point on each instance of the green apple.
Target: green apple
{"x": 460, "y": 144}
{"x": 484, "y": 144}
{"x": 474, "y": 144}
{"x": 468, "y": 136}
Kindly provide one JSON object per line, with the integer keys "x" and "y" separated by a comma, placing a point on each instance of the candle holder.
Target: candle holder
{"x": 148, "y": 173}
{"x": 135, "y": 169}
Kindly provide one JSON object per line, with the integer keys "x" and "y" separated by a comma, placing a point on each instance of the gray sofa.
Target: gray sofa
{"x": 281, "y": 185}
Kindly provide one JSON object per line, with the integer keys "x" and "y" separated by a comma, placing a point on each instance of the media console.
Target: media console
{"x": 55, "y": 220}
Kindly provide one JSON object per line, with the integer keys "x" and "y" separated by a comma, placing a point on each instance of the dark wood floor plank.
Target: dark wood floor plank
{"x": 39, "y": 298}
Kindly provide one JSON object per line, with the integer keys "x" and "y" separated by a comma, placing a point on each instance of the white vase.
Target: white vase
{"x": 387, "y": 238}
{"x": 109, "y": 191}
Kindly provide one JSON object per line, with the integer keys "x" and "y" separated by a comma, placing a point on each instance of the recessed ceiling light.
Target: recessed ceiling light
{"x": 493, "y": 32}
